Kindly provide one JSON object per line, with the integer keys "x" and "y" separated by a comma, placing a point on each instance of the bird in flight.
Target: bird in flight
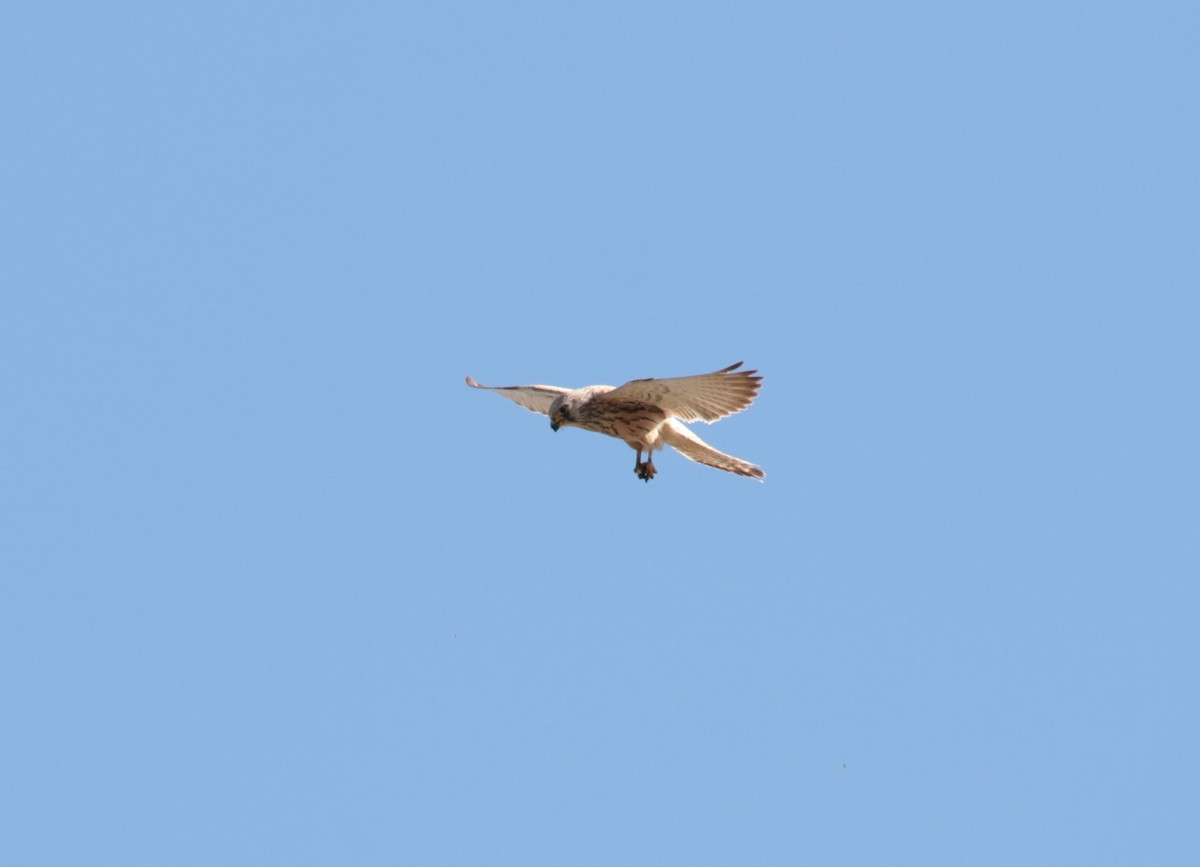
{"x": 646, "y": 413}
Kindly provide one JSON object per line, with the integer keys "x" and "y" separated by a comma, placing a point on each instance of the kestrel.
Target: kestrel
{"x": 646, "y": 413}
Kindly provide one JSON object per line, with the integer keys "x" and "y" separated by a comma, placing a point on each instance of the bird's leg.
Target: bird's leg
{"x": 648, "y": 469}
{"x": 645, "y": 471}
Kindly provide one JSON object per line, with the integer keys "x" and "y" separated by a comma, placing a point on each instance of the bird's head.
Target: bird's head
{"x": 561, "y": 412}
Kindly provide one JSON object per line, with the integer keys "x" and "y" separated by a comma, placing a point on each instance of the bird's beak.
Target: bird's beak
{"x": 554, "y": 425}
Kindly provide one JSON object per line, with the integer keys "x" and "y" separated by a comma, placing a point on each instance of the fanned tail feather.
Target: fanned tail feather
{"x": 680, "y": 438}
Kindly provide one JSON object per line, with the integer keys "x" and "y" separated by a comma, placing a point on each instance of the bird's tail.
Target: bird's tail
{"x": 680, "y": 438}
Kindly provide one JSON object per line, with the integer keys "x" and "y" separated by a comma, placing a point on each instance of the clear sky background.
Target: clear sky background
{"x": 279, "y": 589}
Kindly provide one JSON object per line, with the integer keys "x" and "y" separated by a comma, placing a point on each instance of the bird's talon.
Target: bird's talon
{"x": 645, "y": 471}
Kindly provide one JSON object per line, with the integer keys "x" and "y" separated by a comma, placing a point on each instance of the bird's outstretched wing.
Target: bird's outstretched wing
{"x": 535, "y": 397}
{"x": 695, "y": 449}
{"x": 707, "y": 397}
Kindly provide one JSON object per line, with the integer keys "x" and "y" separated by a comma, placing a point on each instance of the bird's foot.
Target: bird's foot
{"x": 645, "y": 471}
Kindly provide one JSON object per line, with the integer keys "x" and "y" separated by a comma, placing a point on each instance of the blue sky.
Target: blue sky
{"x": 280, "y": 589}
